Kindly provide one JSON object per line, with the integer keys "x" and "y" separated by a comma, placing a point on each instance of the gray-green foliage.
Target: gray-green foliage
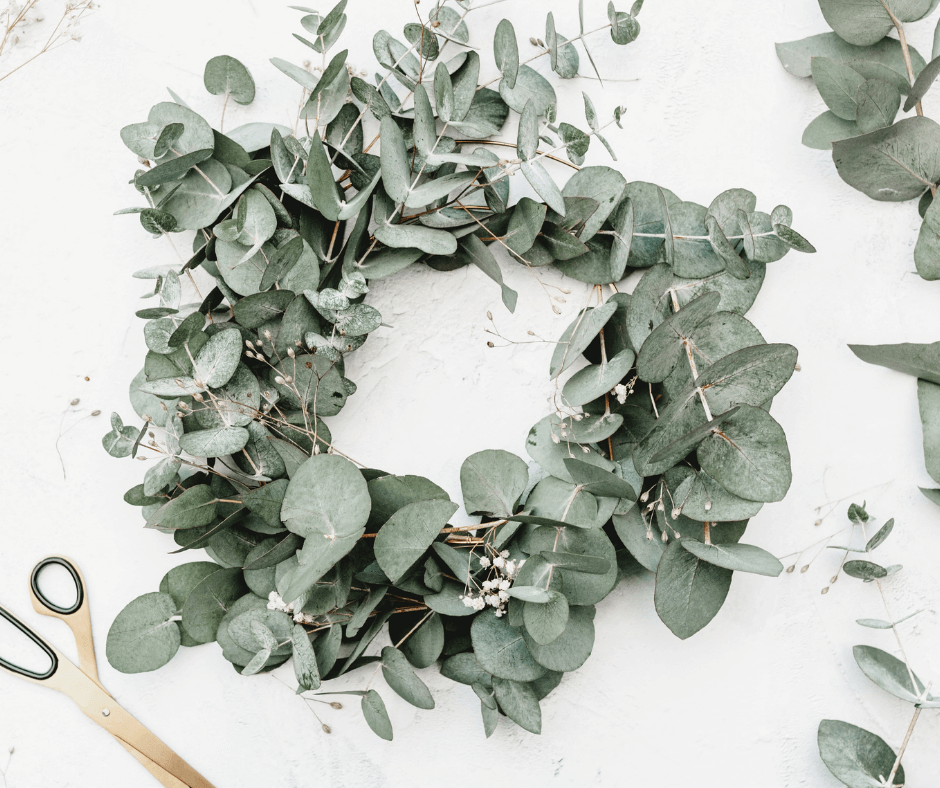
{"x": 857, "y": 757}
{"x": 312, "y": 553}
{"x": 922, "y": 361}
{"x": 862, "y": 74}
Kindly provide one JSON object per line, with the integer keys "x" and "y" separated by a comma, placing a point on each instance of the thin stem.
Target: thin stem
{"x": 907, "y": 738}
{"x": 687, "y": 344}
{"x": 511, "y": 145}
{"x": 544, "y": 155}
{"x": 222, "y": 119}
{"x": 905, "y": 51}
{"x": 412, "y": 630}
{"x": 902, "y": 37}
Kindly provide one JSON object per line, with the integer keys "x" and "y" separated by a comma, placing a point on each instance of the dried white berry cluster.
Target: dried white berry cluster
{"x": 621, "y": 392}
{"x": 276, "y": 603}
{"x": 494, "y": 591}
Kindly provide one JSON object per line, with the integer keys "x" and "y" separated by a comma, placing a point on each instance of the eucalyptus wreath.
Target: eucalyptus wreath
{"x": 862, "y": 74}
{"x": 658, "y": 450}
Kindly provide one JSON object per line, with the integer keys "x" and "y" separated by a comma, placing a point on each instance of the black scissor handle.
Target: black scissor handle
{"x": 20, "y": 671}
{"x": 43, "y": 599}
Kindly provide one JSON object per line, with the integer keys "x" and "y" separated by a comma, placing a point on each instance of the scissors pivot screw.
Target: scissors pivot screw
{"x": 106, "y": 712}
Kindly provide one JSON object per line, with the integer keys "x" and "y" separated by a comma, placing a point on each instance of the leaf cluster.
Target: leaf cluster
{"x": 863, "y": 75}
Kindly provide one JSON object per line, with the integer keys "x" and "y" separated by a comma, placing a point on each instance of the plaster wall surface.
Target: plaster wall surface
{"x": 708, "y": 108}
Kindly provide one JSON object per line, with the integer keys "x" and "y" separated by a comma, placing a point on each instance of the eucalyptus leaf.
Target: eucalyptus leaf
{"x": 506, "y": 52}
{"x": 877, "y": 105}
{"x": 570, "y": 650}
{"x": 922, "y": 361}
{"x": 501, "y": 650}
{"x": 373, "y": 709}
{"x": 748, "y": 455}
{"x": 796, "y": 56}
{"x": 838, "y": 85}
{"x": 856, "y": 757}
{"x": 144, "y": 636}
{"x": 543, "y": 185}
{"x": 866, "y": 22}
{"x": 402, "y": 678}
{"x": 519, "y": 702}
{"x": 737, "y": 557}
{"x": 482, "y": 258}
{"x": 895, "y": 163}
{"x": 689, "y": 592}
{"x": 408, "y": 534}
{"x": 210, "y": 601}
{"x": 828, "y": 128}
{"x": 492, "y": 482}
{"x": 217, "y": 360}
{"x": 928, "y": 398}
{"x": 226, "y": 76}
{"x": 327, "y": 497}
{"x": 579, "y": 334}
{"x": 892, "y": 675}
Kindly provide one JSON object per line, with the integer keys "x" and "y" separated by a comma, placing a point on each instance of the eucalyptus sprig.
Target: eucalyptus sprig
{"x": 662, "y": 444}
{"x": 862, "y": 74}
{"x": 857, "y": 757}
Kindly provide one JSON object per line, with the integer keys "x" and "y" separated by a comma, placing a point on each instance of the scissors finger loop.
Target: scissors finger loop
{"x": 79, "y": 588}
{"x": 20, "y": 671}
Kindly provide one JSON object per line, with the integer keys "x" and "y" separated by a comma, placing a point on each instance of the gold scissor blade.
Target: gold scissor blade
{"x": 99, "y": 706}
{"x": 162, "y": 775}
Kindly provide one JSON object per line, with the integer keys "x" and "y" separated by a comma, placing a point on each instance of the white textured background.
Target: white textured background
{"x": 738, "y": 704}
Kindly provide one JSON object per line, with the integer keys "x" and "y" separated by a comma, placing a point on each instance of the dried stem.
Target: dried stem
{"x": 905, "y": 51}
{"x": 907, "y": 738}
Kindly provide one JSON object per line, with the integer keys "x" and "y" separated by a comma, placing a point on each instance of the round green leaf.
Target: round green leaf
{"x": 180, "y": 581}
{"x": 528, "y": 86}
{"x": 895, "y": 163}
{"x": 866, "y": 22}
{"x": 327, "y": 496}
{"x": 570, "y": 650}
{"x": 689, "y": 592}
{"x": 210, "y": 601}
{"x": 892, "y": 675}
{"x": 226, "y": 76}
{"x": 662, "y": 349}
{"x": 519, "y": 702}
{"x": 216, "y": 362}
{"x": 544, "y": 622}
{"x": 748, "y": 456}
{"x": 856, "y": 757}
{"x": 144, "y": 636}
{"x": 425, "y": 644}
{"x": 492, "y": 481}
{"x": 501, "y": 650}
{"x": 216, "y": 442}
{"x": 596, "y": 380}
{"x": 408, "y": 534}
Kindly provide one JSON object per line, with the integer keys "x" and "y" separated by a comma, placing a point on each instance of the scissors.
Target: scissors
{"x": 84, "y": 687}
